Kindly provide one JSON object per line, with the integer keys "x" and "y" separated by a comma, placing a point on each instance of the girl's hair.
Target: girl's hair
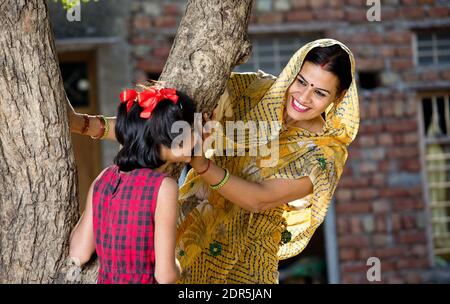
{"x": 335, "y": 60}
{"x": 141, "y": 138}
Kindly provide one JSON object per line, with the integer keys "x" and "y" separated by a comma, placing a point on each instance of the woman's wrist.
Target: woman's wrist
{"x": 199, "y": 163}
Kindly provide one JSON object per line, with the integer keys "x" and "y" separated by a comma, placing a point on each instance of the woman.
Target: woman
{"x": 237, "y": 230}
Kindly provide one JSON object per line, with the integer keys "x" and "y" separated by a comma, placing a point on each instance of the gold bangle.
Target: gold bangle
{"x": 222, "y": 182}
{"x": 106, "y": 128}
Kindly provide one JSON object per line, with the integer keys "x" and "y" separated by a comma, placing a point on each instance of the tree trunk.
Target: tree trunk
{"x": 38, "y": 206}
{"x": 38, "y": 202}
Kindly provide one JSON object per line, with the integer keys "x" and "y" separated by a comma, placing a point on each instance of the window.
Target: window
{"x": 271, "y": 54}
{"x": 432, "y": 48}
{"x": 436, "y": 132}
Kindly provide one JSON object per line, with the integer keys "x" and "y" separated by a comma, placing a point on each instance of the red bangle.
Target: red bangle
{"x": 209, "y": 163}
{"x": 101, "y": 118}
{"x": 86, "y": 124}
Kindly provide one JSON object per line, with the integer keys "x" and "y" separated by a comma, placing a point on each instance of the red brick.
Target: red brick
{"x": 413, "y": 278}
{"x": 385, "y": 139}
{"x": 404, "y": 51}
{"x": 402, "y": 152}
{"x": 355, "y": 225}
{"x": 430, "y": 76}
{"x": 439, "y": 12}
{"x": 367, "y": 141}
{"x": 343, "y": 226}
{"x": 165, "y": 21}
{"x": 359, "y": 267}
{"x": 351, "y": 182}
{"x": 343, "y": 195}
{"x": 141, "y": 22}
{"x": 408, "y": 221}
{"x": 389, "y": 252}
{"x": 171, "y": 9}
{"x": 380, "y": 240}
{"x": 317, "y": 4}
{"x": 388, "y": 266}
{"x": 411, "y": 237}
{"x": 270, "y": 18}
{"x": 302, "y": 15}
{"x": 419, "y": 251}
{"x": 411, "y": 138}
{"x": 368, "y": 167}
{"x": 401, "y": 64}
{"x": 381, "y": 206}
{"x": 407, "y": 204}
{"x": 162, "y": 52}
{"x": 412, "y": 12}
{"x": 388, "y": 13}
{"x": 408, "y": 263}
{"x": 399, "y": 37}
{"x": 358, "y": 207}
{"x": 356, "y": 15}
{"x": 365, "y": 193}
{"x": 348, "y": 254}
{"x": 445, "y": 74}
{"x": 410, "y": 165}
{"x": 358, "y": 241}
{"x": 378, "y": 180}
{"x": 300, "y": 3}
{"x": 369, "y": 64}
{"x": 330, "y": 14}
{"x": 152, "y": 66}
{"x": 380, "y": 223}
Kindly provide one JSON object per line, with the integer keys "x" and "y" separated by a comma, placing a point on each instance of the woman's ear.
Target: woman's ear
{"x": 340, "y": 97}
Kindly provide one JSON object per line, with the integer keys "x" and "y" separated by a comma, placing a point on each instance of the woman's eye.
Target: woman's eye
{"x": 320, "y": 94}
{"x": 301, "y": 81}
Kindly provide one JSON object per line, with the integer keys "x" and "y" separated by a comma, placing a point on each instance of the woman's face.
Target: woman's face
{"x": 309, "y": 95}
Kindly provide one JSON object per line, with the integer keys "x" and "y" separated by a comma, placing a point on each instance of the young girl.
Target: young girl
{"x": 131, "y": 210}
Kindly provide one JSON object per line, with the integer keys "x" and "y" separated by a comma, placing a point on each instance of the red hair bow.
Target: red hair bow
{"x": 148, "y": 99}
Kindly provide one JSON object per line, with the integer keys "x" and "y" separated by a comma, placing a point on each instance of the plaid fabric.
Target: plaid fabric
{"x": 123, "y": 217}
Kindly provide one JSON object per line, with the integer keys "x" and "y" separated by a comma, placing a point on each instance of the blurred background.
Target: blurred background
{"x": 393, "y": 201}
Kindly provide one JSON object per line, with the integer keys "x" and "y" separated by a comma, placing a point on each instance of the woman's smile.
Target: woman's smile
{"x": 299, "y": 107}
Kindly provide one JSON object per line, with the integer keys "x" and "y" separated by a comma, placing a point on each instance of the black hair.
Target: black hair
{"x": 335, "y": 60}
{"x": 141, "y": 138}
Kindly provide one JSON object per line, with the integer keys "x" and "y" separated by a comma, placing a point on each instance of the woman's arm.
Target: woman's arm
{"x": 82, "y": 244}
{"x": 77, "y": 122}
{"x": 167, "y": 267}
{"x": 252, "y": 196}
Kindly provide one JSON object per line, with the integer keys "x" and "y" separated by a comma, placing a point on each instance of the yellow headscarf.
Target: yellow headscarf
{"x": 321, "y": 156}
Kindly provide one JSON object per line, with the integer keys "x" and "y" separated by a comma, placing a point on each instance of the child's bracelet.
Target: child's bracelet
{"x": 86, "y": 124}
{"x": 104, "y": 127}
{"x": 222, "y": 182}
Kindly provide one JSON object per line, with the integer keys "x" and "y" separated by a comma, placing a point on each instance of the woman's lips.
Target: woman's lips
{"x": 298, "y": 106}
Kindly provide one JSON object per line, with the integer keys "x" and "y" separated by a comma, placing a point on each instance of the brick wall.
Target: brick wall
{"x": 380, "y": 208}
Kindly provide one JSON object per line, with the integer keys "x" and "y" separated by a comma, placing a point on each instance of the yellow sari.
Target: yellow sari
{"x": 219, "y": 242}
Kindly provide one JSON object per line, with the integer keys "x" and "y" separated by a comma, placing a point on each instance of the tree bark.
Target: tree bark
{"x": 38, "y": 205}
{"x": 38, "y": 193}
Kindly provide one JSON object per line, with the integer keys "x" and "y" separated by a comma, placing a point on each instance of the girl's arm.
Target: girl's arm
{"x": 76, "y": 123}
{"x": 82, "y": 244}
{"x": 253, "y": 196}
{"x": 167, "y": 267}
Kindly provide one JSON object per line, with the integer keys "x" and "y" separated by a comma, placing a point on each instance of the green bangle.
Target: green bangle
{"x": 222, "y": 182}
{"x": 106, "y": 128}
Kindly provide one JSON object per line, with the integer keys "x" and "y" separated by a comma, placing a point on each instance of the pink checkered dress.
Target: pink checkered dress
{"x": 123, "y": 216}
